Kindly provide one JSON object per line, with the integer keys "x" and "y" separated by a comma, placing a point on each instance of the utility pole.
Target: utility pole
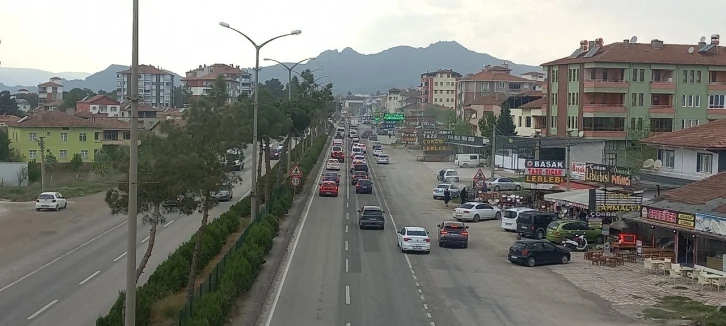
{"x": 567, "y": 161}
{"x": 494, "y": 147}
{"x": 41, "y": 143}
{"x": 537, "y": 145}
{"x": 130, "y": 309}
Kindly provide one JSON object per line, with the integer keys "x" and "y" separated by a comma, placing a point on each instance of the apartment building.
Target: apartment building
{"x": 397, "y": 98}
{"x": 156, "y": 86}
{"x": 534, "y": 75}
{"x": 627, "y": 90}
{"x": 50, "y": 93}
{"x": 199, "y": 81}
{"x": 492, "y": 79}
{"x": 439, "y": 87}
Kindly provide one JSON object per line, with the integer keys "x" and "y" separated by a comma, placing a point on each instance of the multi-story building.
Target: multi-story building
{"x": 492, "y": 79}
{"x": 99, "y": 104}
{"x": 156, "y": 86}
{"x": 534, "y": 75}
{"x": 199, "y": 81}
{"x": 148, "y": 115}
{"x": 628, "y": 90}
{"x": 21, "y": 101}
{"x": 396, "y": 98}
{"x": 438, "y": 87}
{"x": 50, "y": 93}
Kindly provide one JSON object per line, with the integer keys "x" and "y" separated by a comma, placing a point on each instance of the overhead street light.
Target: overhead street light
{"x": 311, "y": 71}
{"x": 258, "y": 47}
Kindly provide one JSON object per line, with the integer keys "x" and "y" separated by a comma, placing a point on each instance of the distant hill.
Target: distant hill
{"x": 25, "y": 76}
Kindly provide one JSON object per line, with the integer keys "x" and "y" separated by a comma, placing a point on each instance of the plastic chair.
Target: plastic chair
{"x": 718, "y": 283}
{"x": 702, "y": 280}
{"x": 648, "y": 265}
{"x": 675, "y": 273}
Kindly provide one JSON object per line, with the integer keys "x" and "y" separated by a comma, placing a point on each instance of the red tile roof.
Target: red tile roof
{"x": 534, "y": 73}
{"x": 491, "y": 99}
{"x": 100, "y": 98}
{"x": 700, "y": 192}
{"x": 142, "y": 108}
{"x": 536, "y": 104}
{"x": 50, "y": 84}
{"x": 485, "y": 75}
{"x": 711, "y": 135}
{"x": 210, "y": 76}
{"x": 646, "y": 53}
{"x": 53, "y": 119}
{"x": 147, "y": 69}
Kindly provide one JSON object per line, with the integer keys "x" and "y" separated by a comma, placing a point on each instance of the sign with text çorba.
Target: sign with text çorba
{"x": 545, "y": 172}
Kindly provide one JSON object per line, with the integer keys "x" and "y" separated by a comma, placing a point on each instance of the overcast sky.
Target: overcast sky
{"x": 88, "y": 35}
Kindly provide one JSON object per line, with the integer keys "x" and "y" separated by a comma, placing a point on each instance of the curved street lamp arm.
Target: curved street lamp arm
{"x": 301, "y": 61}
{"x": 247, "y": 37}
{"x": 280, "y": 63}
{"x": 274, "y": 38}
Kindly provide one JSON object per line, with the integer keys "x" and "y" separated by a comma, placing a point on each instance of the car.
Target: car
{"x": 448, "y": 175}
{"x": 237, "y": 165}
{"x": 371, "y": 217}
{"x": 376, "y": 144}
{"x": 332, "y": 176}
{"x": 453, "y": 233}
{"x": 357, "y": 175}
{"x": 332, "y": 164}
{"x": 337, "y": 153}
{"x": 280, "y": 147}
{"x": 438, "y": 192}
{"x": 413, "y": 238}
{"x": 364, "y": 136}
{"x": 274, "y": 154}
{"x": 360, "y": 167}
{"x": 353, "y": 164}
{"x": 223, "y": 193}
{"x": 363, "y": 147}
{"x": 328, "y": 188}
{"x": 50, "y": 201}
{"x": 475, "y": 211}
{"x": 566, "y": 229}
{"x": 533, "y": 224}
{"x": 383, "y": 158}
{"x": 510, "y": 215}
{"x": 364, "y": 186}
{"x": 498, "y": 184}
{"x": 377, "y": 151}
{"x": 356, "y": 139}
{"x": 373, "y": 137}
{"x": 532, "y": 252}
{"x": 338, "y": 142}
{"x": 361, "y": 158}
{"x": 382, "y": 132}
{"x": 355, "y": 151}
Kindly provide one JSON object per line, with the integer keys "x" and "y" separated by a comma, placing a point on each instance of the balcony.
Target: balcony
{"x": 717, "y": 81}
{"x": 662, "y": 109}
{"x": 605, "y": 80}
{"x": 604, "y": 134}
{"x": 603, "y": 103}
{"x": 662, "y": 104}
{"x": 604, "y": 108}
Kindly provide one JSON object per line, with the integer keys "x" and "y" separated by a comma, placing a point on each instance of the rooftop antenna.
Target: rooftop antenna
{"x": 703, "y": 39}
{"x": 634, "y": 39}
{"x": 691, "y": 50}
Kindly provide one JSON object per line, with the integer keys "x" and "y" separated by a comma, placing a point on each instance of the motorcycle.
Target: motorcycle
{"x": 576, "y": 243}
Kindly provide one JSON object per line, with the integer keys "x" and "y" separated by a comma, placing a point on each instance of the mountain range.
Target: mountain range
{"x": 348, "y": 70}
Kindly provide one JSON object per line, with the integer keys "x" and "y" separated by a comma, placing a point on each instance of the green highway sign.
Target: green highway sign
{"x": 394, "y": 117}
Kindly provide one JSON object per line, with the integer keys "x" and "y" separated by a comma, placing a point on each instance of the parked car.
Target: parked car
{"x": 448, "y": 175}
{"x": 332, "y": 164}
{"x": 50, "y": 201}
{"x": 413, "y": 238}
{"x": 438, "y": 192}
{"x": 371, "y": 217}
{"x": 475, "y": 211}
{"x": 498, "y": 184}
{"x": 566, "y": 229}
{"x": 453, "y": 233}
{"x": 536, "y": 252}
{"x": 469, "y": 160}
{"x": 534, "y": 224}
{"x": 510, "y": 215}
{"x": 223, "y": 193}
{"x": 364, "y": 186}
{"x": 328, "y": 188}
{"x": 383, "y": 158}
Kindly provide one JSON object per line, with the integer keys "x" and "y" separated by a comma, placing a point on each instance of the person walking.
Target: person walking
{"x": 447, "y": 197}
{"x": 462, "y": 195}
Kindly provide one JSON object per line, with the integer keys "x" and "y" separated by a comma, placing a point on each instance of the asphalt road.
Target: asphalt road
{"x": 77, "y": 279}
{"x": 339, "y": 275}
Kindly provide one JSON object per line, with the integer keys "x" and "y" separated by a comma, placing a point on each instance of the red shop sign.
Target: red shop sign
{"x": 670, "y": 217}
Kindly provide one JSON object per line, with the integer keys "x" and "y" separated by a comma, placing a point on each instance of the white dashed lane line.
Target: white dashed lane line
{"x": 145, "y": 239}
{"x": 89, "y": 278}
{"x": 120, "y": 256}
{"x": 347, "y": 294}
{"x": 168, "y": 223}
{"x": 42, "y": 309}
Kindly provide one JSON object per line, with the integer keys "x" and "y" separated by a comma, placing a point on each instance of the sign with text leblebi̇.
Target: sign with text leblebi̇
{"x": 548, "y": 179}
{"x": 544, "y": 171}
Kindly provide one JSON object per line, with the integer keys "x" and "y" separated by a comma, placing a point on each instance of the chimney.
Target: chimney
{"x": 715, "y": 39}
{"x": 626, "y": 41}
{"x": 656, "y": 43}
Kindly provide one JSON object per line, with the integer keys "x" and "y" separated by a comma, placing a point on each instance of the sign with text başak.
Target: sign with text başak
{"x": 545, "y": 172}
{"x": 608, "y": 174}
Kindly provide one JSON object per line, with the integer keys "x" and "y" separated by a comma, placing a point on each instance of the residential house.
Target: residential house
{"x": 530, "y": 119}
{"x": 492, "y": 79}
{"x": 396, "y": 98}
{"x": 199, "y": 81}
{"x": 23, "y": 104}
{"x": 99, "y": 104}
{"x": 687, "y": 155}
{"x": 50, "y": 91}
{"x": 64, "y": 135}
{"x": 438, "y": 87}
{"x": 475, "y": 110}
{"x": 148, "y": 115}
{"x": 534, "y": 75}
{"x": 156, "y": 86}
{"x": 7, "y": 119}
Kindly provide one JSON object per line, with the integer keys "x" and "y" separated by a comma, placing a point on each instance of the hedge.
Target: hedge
{"x": 171, "y": 275}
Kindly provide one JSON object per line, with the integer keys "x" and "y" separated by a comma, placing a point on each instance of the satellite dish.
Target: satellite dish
{"x": 648, "y": 163}
{"x": 634, "y": 39}
{"x": 581, "y": 133}
{"x": 703, "y": 39}
{"x": 658, "y": 164}
{"x": 691, "y": 49}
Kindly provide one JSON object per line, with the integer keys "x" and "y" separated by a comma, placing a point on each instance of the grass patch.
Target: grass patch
{"x": 683, "y": 308}
{"x": 70, "y": 188}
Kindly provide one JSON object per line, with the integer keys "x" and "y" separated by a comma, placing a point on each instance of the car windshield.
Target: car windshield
{"x": 510, "y": 214}
{"x": 442, "y": 187}
{"x": 333, "y": 161}
{"x": 519, "y": 245}
{"x": 553, "y": 225}
{"x": 356, "y": 149}
{"x": 372, "y": 212}
{"x": 45, "y": 196}
{"x": 454, "y": 226}
{"x": 223, "y": 188}
{"x": 454, "y": 173}
{"x": 364, "y": 182}
{"x": 417, "y": 233}
{"x": 359, "y": 173}
{"x": 328, "y": 184}
{"x": 337, "y": 148}
{"x": 329, "y": 177}
{"x": 466, "y": 206}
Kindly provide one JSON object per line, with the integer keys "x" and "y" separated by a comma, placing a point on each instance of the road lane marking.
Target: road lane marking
{"x": 347, "y": 324}
{"x": 145, "y": 239}
{"x": 346, "y": 265}
{"x": 89, "y": 278}
{"x": 346, "y": 204}
{"x": 346, "y": 229}
{"x": 426, "y": 307}
{"x": 42, "y": 309}
{"x": 428, "y": 314}
{"x": 61, "y": 256}
{"x": 419, "y": 291}
{"x": 346, "y": 245}
{"x": 172, "y": 221}
{"x": 433, "y": 324}
{"x": 347, "y": 216}
{"x": 347, "y": 294}
{"x": 417, "y": 284}
{"x": 120, "y": 256}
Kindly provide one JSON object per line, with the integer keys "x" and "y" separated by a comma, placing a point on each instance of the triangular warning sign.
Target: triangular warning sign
{"x": 296, "y": 171}
{"x": 479, "y": 175}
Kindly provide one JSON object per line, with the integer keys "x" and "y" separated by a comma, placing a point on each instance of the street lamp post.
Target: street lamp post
{"x": 289, "y": 97}
{"x": 258, "y": 47}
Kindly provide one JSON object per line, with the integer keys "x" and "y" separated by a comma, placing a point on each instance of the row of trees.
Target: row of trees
{"x": 180, "y": 167}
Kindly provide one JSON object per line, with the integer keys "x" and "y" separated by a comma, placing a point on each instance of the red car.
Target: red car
{"x": 339, "y": 155}
{"x": 328, "y": 188}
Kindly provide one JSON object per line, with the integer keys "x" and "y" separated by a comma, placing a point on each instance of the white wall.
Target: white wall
{"x": 522, "y": 130}
{"x": 685, "y": 164}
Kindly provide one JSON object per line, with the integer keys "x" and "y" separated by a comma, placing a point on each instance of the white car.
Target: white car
{"x": 510, "y": 215}
{"x": 475, "y": 211}
{"x": 50, "y": 200}
{"x": 382, "y": 159}
{"x": 413, "y": 238}
{"x": 438, "y": 192}
{"x": 360, "y": 158}
{"x": 332, "y": 164}
{"x": 355, "y": 151}
{"x": 377, "y": 151}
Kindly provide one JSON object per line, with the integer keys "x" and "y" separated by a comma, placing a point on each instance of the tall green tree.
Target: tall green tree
{"x": 505, "y": 123}
{"x": 74, "y": 95}
{"x": 275, "y": 88}
{"x": 182, "y": 96}
{"x": 8, "y": 105}
{"x": 462, "y": 128}
{"x": 487, "y": 124}
{"x": 219, "y": 94}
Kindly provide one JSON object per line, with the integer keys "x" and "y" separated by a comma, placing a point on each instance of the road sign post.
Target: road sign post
{"x": 479, "y": 179}
{"x": 295, "y": 176}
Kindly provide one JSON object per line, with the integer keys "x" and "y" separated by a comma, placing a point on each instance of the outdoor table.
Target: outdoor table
{"x": 714, "y": 276}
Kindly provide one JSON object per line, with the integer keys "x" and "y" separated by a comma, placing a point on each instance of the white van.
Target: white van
{"x": 469, "y": 160}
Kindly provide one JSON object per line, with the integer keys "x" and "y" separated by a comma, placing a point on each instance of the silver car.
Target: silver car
{"x": 224, "y": 193}
{"x": 498, "y": 184}
{"x": 382, "y": 159}
{"x": 438, "y": 192}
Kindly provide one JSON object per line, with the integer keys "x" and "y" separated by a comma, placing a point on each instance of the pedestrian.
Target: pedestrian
{"x": 447, "y": 197}
{"x": 462, "y": 195}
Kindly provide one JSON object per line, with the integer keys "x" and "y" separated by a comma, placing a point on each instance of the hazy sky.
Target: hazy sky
{"x": 88, "y": 35}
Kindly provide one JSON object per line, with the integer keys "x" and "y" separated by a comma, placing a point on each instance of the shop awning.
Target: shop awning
{"x": 574, "y": 185}
{"x": 579, "y": 198}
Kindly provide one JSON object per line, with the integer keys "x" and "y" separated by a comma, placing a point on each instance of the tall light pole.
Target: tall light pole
{"x": 258, "y": 47}
{"x": 130, "y": 309}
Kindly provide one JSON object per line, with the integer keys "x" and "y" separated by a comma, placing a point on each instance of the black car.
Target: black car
{"x": 364, "y": 186}
{"x": 382, "y": 132}
{"x": 533, "y": 224}
{"x": 453, "y": 233}
{"x": 364, "y": 136}
{"x": 274, "y": 154}
{"x": 371, "y": 217}
{"x": 533, "y": 252}
{"x": 332, "y": 176}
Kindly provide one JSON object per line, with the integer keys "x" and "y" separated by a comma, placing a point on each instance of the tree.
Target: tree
{"x": 274, "y": 87}
{"x": 462, "y": 128}
{"x": 182, "y": 96}
{"x": 76, "y": 162}
{"x": 113, "y": 94}
{"x": 71, "y": 97}
{"x": 487, "y": 124}
{"x": 108, "y": 159}
{"x": 50, "y": 160}
{"x": 505, "y": 123}
{"x": 219, "y": 94}
{"x": 8, "y": 105}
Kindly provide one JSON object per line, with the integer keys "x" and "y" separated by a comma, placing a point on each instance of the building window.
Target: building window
{"x": 610, "y": 159}
{"x": 661, "y": 124}
{"x": 63, "y": 137}
{"x": 515, "y": 86}
{"x": 33, "y": 136}
{"x": 668, "y": 157}
{"x": 82, "y": 137}
{"x": 691, "y": 101}
{"x": 63, "y": 154}
{"x": 684, "y": 73}
{"x": 698, "y": 76}
{"x": 716, "y": 101}
{"x": 691, "y": 76}
{"x": 33, "y": 154}
{"x": 640, "y": 99}
{"x": 519, "y": 124}
{"x": 84, "y": 154}
{"x": 635, "y": 75}
{"x": 528, "y": 122}
{"x": 500, "y": 85}
{"x": 634, "y": 99}
{"x": 688, "y": 123}
{"x": 603, "y": 124}
{"x": 704, "y": 162}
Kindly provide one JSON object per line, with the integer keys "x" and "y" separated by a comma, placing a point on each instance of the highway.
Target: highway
{"x": 75, "y": 280}
{"x": 338, "y": 275}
